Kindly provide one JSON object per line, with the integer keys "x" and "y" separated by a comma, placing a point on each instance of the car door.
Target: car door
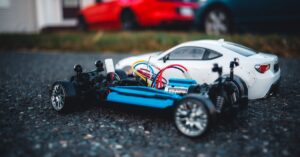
{"x": 192, "y": 58}
{"x": 103, "y": 12}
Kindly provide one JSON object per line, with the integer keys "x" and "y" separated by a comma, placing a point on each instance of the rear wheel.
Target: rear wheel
{"x": 63, "y": 96}
{"x": 242, "y": 92}
{"x": 192, "y": 117}
{"x": 128, "y": 20}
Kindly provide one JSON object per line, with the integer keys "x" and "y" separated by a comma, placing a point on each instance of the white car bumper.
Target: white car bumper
{"x": 263, "y": 85}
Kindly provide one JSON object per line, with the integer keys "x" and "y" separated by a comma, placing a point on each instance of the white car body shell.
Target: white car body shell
{"x": 258, "y": 84}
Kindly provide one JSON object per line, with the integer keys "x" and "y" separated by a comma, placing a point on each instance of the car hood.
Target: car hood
{"x": 129, "y": 60}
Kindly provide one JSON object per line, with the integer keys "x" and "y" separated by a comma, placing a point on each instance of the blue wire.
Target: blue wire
{"x": 154, "y": 80}
{"x": 144, "y": 64}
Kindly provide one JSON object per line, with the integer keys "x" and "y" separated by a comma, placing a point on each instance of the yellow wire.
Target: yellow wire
{"x": 137, "y": 73}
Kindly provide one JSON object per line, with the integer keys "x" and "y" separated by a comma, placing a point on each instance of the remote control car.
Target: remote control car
{"x": 196, "y": 107}
{"x": 259, "y": 72}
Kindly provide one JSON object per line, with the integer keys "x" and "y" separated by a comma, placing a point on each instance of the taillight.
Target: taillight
{"x": 262, "y": 68}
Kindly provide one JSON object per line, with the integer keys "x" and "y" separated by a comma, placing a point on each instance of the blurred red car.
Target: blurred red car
{"x": 131, "y": 14}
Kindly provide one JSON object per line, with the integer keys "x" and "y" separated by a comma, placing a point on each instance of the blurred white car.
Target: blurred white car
{"x": 260, "y": 72}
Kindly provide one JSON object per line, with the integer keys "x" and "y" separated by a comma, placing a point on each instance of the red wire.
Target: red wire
{"x": 144, "y": 72}
{"x": 159, "y": 82}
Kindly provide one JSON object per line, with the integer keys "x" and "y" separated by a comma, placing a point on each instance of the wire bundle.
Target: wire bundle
{"x": 158, "y": 81}
{"x": 146, "y": 74}
{"x": 150, "y": 77}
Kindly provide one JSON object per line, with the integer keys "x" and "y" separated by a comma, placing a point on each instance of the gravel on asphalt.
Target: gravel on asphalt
{"x": 30, "y": 127}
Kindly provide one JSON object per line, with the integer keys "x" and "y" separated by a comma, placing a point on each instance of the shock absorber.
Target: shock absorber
{"x": 219, "y": 103}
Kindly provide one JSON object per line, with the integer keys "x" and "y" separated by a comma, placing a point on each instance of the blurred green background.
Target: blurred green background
{"x": 56, "y": 25}
{"x": 140, "y": 41}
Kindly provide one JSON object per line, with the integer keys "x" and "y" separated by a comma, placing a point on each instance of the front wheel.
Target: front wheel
{"x": 192, "y": 117}
{"x": 63, "y": 96}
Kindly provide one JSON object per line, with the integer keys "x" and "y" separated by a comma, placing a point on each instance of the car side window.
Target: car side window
{"x": 187, "y": 53}
{"x": 210, "y": 54}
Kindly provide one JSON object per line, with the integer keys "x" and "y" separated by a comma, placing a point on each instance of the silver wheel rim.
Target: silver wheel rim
{"x": 216, "y": 22}
{"x": 191, "y": 118}
{"x": 58, "y": 97}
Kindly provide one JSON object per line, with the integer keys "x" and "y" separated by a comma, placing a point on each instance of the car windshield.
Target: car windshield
{"x": 158, "y": 53}
{"x": 240, "y": 49}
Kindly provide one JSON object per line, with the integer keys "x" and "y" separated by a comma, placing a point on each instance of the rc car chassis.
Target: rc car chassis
{"x": 196, "y": 107}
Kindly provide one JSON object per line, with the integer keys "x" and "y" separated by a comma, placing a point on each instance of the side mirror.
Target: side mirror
{"x": 165, "y": 58}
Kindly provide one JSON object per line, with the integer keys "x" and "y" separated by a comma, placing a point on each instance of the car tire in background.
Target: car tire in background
{"x": 217, "y": 20}
{"x": 128, "y": 20}
{"x": 81, "y": 23}
{"x": 63, "y": 96}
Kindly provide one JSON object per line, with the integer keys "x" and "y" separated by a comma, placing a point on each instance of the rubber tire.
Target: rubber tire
{"x": 70, "y": 95}
{"x": 229, "y": 112}
{"x": 243, "y": 90}
{"x": 201, "y": 100}
{"x": 128, "y": 20}
{"x": 81, "y": 23}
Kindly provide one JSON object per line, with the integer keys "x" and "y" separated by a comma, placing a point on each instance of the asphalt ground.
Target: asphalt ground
{"x": 30, "y": 127}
